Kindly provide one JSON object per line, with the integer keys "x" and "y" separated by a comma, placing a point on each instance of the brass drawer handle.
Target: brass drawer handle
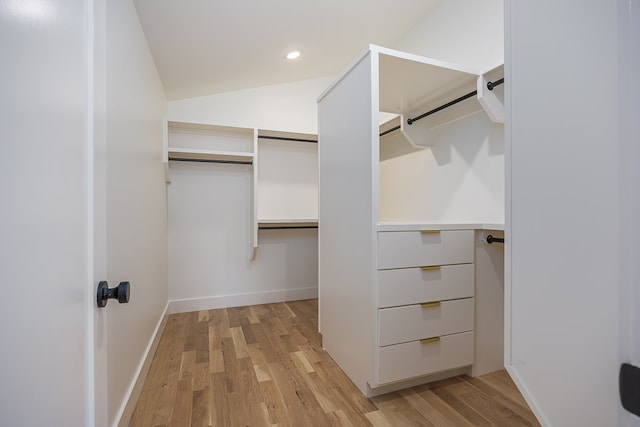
{"x": 430, "y": 267}
{"x": 429, "y": 340}
{"x": 430, "y": 304}
{"x": 430, "y": 231}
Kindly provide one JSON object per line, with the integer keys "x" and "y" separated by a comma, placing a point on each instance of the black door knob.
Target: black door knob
{"x": 120, "y": 292}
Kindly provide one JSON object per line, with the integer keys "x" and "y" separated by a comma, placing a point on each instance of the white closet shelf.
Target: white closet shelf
{"x": 437, "y": 225}
{"x": 210, "y": 155}
{"x": 288, "y": 223}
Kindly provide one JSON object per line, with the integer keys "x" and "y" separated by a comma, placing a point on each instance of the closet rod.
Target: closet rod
{"x": 390, "y": 130}
{"x": 284, "y": 138}
{"x": 231, "y": 162}
{"x": 490, "y": 86}
{"x": 284, "y": 227}
{"x": 491, "y": 239}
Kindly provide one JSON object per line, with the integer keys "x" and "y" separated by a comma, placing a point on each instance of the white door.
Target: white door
{"x": 46, "y": 224}
{"x": 572, "y": 254}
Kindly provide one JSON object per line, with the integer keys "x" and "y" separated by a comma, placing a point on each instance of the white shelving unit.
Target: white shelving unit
{"x": 283, "y": 165}
{"x": 198, "y": 142}
{"x": 359, "y": 252}
{"x": 287, "y": 188}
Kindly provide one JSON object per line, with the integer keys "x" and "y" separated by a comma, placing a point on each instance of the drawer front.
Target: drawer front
{"x": 414, "y": 322}
{"x": 401, "y": 249}
{"x": 412, "y": 285}
{"x": 413, "y": 359}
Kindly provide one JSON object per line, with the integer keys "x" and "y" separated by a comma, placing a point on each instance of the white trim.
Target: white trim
{"x": 528, "y": 397}
{"x": 90, "y": 304}
{"x": 238, "y": 300}
{"x": 507, "y": 177}
{"x": 130, "y": 401}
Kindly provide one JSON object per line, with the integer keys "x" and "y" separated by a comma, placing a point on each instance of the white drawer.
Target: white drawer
{"x": 412, "y": 285}
{"x": 413, "y": 322}
{"x": 401, "y": 249}
{"x": 413, "y": 359}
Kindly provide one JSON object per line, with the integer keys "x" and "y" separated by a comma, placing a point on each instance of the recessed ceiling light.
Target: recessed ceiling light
{"x": 293, "y": 54}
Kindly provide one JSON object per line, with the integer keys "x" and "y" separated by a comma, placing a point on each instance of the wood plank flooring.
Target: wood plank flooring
{"x": 264, "y": 365}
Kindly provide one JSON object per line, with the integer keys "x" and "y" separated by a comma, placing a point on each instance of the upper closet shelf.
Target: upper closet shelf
{"x": 411, "y": 85}
{"x": 210, "y": 143}
{"x": 189, "y": 154}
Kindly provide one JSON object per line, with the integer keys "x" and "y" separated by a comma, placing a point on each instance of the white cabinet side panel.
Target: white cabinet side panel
{"x": 347, "y": 227}
{"x": 564, "y": 262}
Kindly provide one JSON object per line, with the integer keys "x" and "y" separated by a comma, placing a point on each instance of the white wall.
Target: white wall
{"x": 136, "y": 200}
{"x": 209, "y": 266}
{"x": 460, "y": 178}
{"x": 563, "y": 240}
{"x": 465, "y": 32}
{"x": 287, "y": 107}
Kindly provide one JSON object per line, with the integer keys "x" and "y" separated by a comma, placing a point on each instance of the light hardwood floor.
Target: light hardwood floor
{"x": 264, "y": 365}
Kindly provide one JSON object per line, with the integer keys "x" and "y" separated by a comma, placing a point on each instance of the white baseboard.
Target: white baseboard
{"x": 526, "y": 393}
{"x": 135, "y": 388}
{"x": 237, "y": 300}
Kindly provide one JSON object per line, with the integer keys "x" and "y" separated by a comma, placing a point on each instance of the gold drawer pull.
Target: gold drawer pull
{"x": 430, "y": 267}
{"x": 430, "y": 304}
{"x": 428, "y": 340}
{"x": 430, "y": 231}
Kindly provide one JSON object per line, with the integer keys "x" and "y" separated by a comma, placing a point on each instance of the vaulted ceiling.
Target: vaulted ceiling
{"x": 203, "y": 47}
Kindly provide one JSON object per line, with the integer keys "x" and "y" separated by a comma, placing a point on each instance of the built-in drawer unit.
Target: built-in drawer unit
{"x": 434, "y": 283}
{"x": 401, "y": 249}
{"x": 414, "y": 322}
{"x": 418, "y": 358}
{"x": 426, "y": 305}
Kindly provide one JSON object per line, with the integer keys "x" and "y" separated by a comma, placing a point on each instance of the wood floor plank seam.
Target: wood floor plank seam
{"x": 264, "y": 365}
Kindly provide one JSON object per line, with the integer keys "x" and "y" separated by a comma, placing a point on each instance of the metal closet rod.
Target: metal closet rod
{"x": 390, "y": 130}
{"x": 231, "y": 162}
{"x": 284, "y": 138}
{"x": 491, "y": 239}
{"x": 490, "y": 86}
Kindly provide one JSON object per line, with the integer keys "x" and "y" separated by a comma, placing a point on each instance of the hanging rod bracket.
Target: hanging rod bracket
{"x": 490, "y": 103}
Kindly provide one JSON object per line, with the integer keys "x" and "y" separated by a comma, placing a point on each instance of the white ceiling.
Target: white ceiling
{"x": 202, "y": 47}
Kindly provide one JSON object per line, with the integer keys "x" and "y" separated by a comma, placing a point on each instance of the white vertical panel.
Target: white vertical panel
{"x": 629, "y": 86}
{"x": 562, "y": 236}
{"x": 348, "y": 188}
{"x": 489, "y": 299}
{"x": 136, "y": 200}
{"x": 287, "y": 180}
{"x": 43, "y": 207}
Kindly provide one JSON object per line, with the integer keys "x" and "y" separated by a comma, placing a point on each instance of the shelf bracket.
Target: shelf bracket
{"x": 491, "y": 104}
{"x": 418, "y": 134}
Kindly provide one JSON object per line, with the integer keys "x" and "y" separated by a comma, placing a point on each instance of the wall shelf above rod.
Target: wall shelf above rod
{"x": 231, "y": 162}
{"x": 209, "y": 156}
{"x": 288, "y": 227}
{"x": 284, "y": 138}
{"x": 283, "y": 224}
